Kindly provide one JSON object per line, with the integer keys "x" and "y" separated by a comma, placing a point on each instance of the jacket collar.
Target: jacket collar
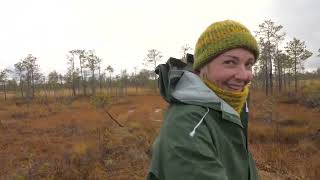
{"x": 190, "y": 89}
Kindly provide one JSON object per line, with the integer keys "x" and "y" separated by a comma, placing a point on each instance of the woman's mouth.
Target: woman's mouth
{"x": 235, "y": 87}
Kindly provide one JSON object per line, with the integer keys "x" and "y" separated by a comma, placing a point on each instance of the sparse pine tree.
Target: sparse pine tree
{"x": 297, "y": 51}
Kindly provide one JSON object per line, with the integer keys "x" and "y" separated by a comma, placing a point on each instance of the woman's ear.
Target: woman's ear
{"x": 203, "y": 72}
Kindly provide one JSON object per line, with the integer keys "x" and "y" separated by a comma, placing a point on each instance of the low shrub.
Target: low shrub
{"x": 311, "y": 95}
{"x": 100, "y": 100}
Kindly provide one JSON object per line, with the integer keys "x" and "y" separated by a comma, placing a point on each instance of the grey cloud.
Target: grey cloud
{"x": 300, "y": 19}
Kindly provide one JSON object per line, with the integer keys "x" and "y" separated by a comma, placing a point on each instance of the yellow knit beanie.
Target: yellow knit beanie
{"x": 220, "y": 37}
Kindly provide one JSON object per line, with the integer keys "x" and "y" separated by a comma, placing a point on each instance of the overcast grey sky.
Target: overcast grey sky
{"x": 121, "y": 31}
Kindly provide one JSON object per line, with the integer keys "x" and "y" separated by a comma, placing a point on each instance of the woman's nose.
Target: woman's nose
{"x": 243, "y": 74}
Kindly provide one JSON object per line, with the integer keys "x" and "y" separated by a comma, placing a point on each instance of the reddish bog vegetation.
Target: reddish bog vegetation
{"x": 68, "y": 138}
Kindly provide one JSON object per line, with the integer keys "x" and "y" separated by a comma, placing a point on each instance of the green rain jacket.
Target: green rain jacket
{"x": 202, "y": 137}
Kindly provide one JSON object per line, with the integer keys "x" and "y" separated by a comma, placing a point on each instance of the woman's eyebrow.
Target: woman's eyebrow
{"x": 231, "y": 56}
{"x": 237, "y": 58}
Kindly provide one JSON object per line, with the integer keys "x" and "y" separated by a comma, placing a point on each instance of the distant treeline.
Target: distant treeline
{"x": 279, "y": 67}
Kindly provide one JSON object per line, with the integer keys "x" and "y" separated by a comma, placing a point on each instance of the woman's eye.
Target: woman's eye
{"x": 249, "y": 65}
{"x": 231, "y": 62}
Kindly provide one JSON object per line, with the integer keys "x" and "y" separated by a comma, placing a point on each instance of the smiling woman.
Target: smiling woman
{"x": 204, "y": 135}
{"x": 231, "y": 70}
{"x": 228, "y": 76}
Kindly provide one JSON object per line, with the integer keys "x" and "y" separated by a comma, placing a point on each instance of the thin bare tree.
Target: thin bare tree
{"x": 153, "y": 58}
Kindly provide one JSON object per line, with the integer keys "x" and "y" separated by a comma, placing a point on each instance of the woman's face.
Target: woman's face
{"x": 231, "y": 70}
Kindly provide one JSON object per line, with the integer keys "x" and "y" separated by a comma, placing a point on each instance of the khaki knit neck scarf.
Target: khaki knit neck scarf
{"x": 234, "y": 99}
